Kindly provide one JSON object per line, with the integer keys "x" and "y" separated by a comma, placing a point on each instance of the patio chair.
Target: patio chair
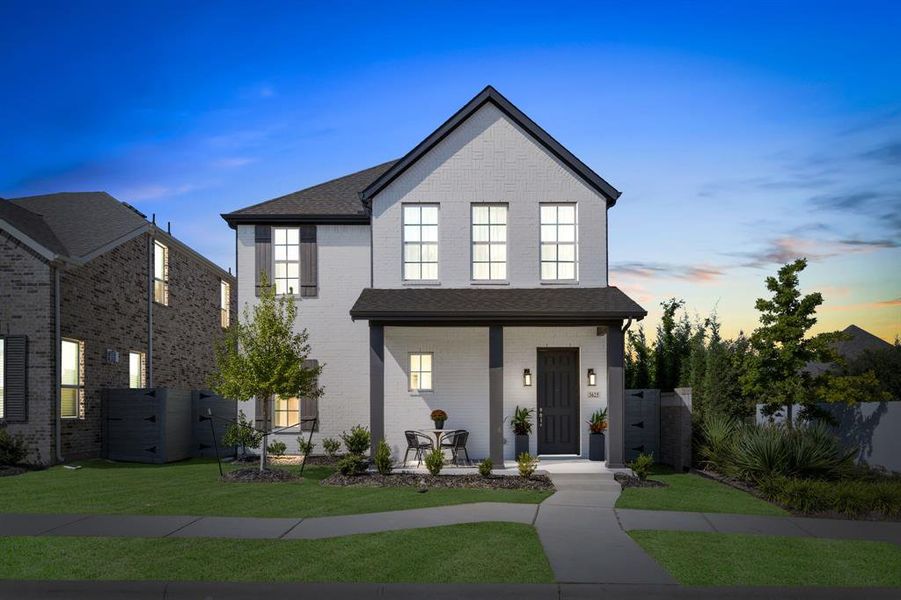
{"x": 417, "y": 442}
{"x": 455, "y": 441}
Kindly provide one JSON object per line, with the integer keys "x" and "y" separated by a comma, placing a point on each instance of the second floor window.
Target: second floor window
{"x": 71, "y": 379}
{"x": 286, "y": 249}
{"x": 160, "y": 273}
{"x": 558, "y": 242}
{"x": 489, "y": 242}
{"x": 224, "y": 304}
{"x": 420, "y": 242}
{"x": 136, "y": 370}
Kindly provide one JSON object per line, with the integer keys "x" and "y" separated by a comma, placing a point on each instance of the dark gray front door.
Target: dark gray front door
{"x": 558, "y": 401}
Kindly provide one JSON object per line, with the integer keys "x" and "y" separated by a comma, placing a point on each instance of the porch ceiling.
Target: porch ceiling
{"x": 511, "y": 305}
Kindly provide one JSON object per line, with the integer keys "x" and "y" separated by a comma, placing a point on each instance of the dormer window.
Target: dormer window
{"x": 420, "y": 242}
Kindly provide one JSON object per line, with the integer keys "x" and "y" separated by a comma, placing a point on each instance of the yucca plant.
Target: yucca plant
{"x": 717, "y": 446}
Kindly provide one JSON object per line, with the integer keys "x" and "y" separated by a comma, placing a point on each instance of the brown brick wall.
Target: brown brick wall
{"x": 26, "y": 308}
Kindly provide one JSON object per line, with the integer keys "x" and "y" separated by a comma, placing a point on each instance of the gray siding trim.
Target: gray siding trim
{"x": 263, "y": 254}
{"x": 376, "y": 383}
{"x": 615, "y": 397}
{"x": 309, "y": 262}
{"x": 15, "y": 371}
{"x": 496, "y": 394}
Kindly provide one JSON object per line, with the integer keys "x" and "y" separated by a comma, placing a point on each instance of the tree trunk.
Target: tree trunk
{"x": 265, "y": 404}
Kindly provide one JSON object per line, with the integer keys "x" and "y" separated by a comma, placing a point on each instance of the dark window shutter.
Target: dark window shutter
{"x": 309, "y": 407}
{"x": 263, "y": 255}
{"x": 15, "y": 373}
{"x": 309, "y": 262}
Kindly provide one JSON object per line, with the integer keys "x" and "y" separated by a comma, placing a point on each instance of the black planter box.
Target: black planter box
{"x": 596, "y": 446}
{"x": 520, "y": 445}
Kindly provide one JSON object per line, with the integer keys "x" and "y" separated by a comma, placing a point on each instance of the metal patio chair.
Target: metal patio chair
{"x": 455, "y": 441}
{"x": 417, "y": 442}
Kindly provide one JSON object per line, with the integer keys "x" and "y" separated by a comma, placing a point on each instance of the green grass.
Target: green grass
{"x": 689, "y": 492}
{"x": 377, "y": 557}
{"x": 193, "y": 488}
{"x": 695, "y": 558}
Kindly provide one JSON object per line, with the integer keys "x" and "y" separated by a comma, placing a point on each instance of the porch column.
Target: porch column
{"x": 376, "y": 383}
{"x": 496, "y": 394}
{"x": 615, "y": 396}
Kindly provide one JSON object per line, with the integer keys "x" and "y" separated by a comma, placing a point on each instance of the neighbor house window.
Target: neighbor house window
{"x": 421, "y": 371}
{"x": 286, "y": 244}
{"x": 137, "y": 367}
{"x": 72, "y": 379}
{"x": 558, "y": 242}
{"x": 225, "y": 303}
{"x": 489, "y": 242}
{"x": 286, "y": 412}
{"x": 421, "y": 242}
{"x": 160, "y": 273}
{"x": 2, "y": 377}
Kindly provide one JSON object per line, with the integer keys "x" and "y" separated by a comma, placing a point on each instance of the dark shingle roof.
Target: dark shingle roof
{"x": 337, "y": 200}
{"x": 507, "y": 304}
{"x": 83, "y": 221}
{"x": 859, "y": 341}
{"x": 32, "y": 225}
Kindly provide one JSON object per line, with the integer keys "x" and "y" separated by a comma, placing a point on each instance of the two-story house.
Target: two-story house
{"x": 94, "y": 296}
{"x": 470, "y": 276}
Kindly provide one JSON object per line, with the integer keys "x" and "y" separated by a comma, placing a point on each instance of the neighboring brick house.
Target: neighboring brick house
{"x": 94, "y": 296}
{"x": 449, "y": 279}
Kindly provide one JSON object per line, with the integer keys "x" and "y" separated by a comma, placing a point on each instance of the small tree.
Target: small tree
{"x": 262, "y": 357}
{"x": 639, "y": 360}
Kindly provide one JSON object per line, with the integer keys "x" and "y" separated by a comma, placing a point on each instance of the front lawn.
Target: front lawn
{"x": 452, "y": 554}
{"x": 724, "y": 559}
{"x": 193, "y": 488}
{"x": 689, "y": 492}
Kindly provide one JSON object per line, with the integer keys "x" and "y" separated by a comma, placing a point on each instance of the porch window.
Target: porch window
{"x": 286, "y": 412}
{"x": 286, "y": 249}
{"x": 558, "y": 242}
{"x": 72, "y": 379}
{"x": 224, "y": 304}
{"x": 160, "y": 273}
{"x": 421, "y": 242}
{"x": 421, "y": 372}
{"x": 137, "y": 368}
{"x": 489, "y": 242}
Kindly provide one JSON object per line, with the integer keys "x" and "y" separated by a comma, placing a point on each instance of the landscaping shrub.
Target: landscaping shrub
{"x": 331, "y": 446}
{"x": 358, "y": 440}
{"x": 242, "y": 433}
{"x": 526, "y": 463}
{"x": 305, "y": 446}
{"x": 12, "y": 448}
{"x": 352, "y": 464}
{"x": 641, "y": 466}
{"x": 277, "y": 448}
{"x": 717, "y": 449}
{"x": 485, "y": 467}
{"x": 850, "y": 497}
{"x": 434, "y": 461}
{"x": 382, "y": 458}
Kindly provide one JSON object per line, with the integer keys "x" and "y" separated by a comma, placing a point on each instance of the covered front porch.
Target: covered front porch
{"x": 556, "y": 351}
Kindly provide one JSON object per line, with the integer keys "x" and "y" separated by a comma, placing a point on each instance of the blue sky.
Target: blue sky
{"x": 741, "y": 135}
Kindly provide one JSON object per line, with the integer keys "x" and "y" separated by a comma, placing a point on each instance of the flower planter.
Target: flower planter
{"x": 439, "y": 424}
{"x": 520, "y": 445}
{"x": 596, "y": 446}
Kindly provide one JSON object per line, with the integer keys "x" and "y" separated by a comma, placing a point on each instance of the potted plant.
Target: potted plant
{"x": 439, "y": 417}
{"x": 597, "y": 424}
{"x": 522, "y": 427}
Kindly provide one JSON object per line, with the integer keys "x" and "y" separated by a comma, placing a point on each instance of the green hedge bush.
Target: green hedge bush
{"x": 850, "y": 497}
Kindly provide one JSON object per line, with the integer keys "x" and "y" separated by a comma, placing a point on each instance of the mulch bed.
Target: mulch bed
{"x": 630, "y": 481}
{"x": 254, "y": 475}
{"x": 425, "y": 481}
{"x": 7, "y": 471}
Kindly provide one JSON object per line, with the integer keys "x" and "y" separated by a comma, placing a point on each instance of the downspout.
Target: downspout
{"x": 58, "y": 340}
{"x": 150, "y": 311}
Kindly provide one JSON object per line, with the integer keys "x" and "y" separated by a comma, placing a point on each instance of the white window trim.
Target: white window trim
{"x": 575, "y": 242}
{"x": 292, "y": 291}
{"x": 431, "y": 372}
{"x": 472, "y": 244}
{"x": 164, "y": 301}
{"x": 404, "y": 242}
{"x": 79, "y": 399}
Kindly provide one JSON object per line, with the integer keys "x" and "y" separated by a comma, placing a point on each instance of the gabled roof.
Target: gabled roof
{"x": 489, "y": 94}
{"x": 556, "y": 304}
{"x": 335, "y": 201}
{"x": 859, "y": 341}
{"x": 31, "y": 225}
{"x": 83, "y": 221}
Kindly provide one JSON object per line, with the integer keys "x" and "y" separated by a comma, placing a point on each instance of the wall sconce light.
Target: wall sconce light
{"x": 592, "y": 379}
{"x": 527, "y": 377}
